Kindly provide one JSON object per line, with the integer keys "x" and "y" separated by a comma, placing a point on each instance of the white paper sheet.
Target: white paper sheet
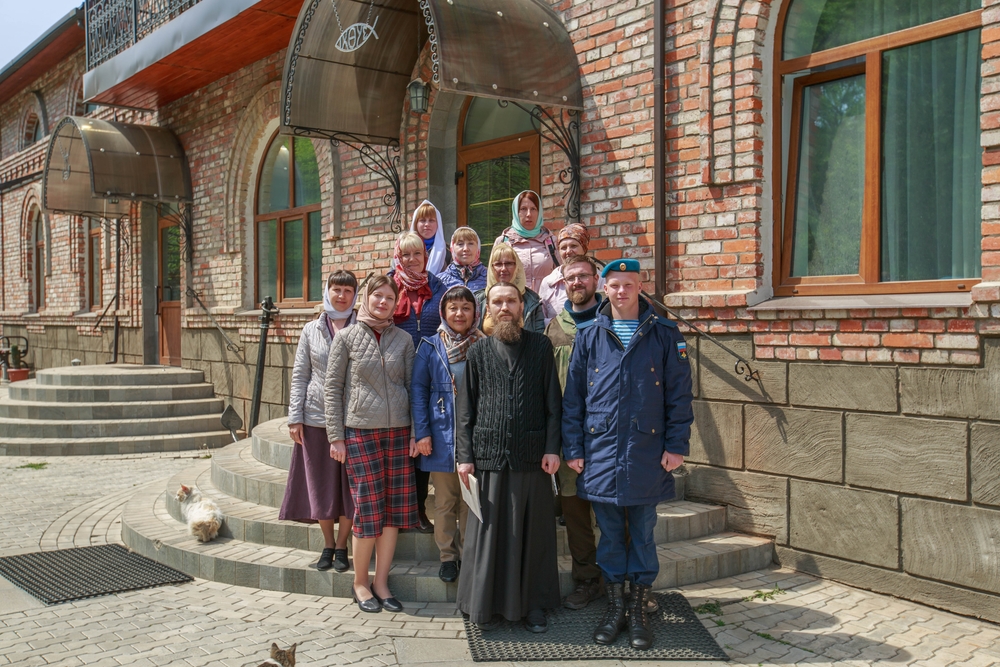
{"x": 471, "y": 497}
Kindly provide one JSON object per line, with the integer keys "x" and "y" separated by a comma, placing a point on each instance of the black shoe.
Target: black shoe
{"x": 448, "y": 572}
{"x": 325, "y": 560}
{"x": 389, "y": 603}
{"x": 488, "y": 626}
{"x": 535, "y": 621}
{"x": 371, "y": 605}
{"x": 561, "y": 520}
{"x": 340, "y": 563}
{"x": 640, "y": 631}
{"x": 424, "y": 524}
{"x": 613, "y": 621}
{"x": 585, "y": 593}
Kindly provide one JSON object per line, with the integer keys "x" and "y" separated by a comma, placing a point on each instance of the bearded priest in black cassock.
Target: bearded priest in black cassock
{"x": 509, "y": 412}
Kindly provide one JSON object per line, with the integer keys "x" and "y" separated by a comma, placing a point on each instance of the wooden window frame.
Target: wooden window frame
{"x": 869, "y": 275}
{"x": 95, "y": 301}
{"x": 37, "y": 225}
{"x": 526, "y": 142}
{"x": 280, "y": 218}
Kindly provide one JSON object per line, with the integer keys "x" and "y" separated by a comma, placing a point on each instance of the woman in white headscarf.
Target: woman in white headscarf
{"x": 534, "y": 244}
{"x": 428, "y": 226}
{"x": 317, "y": 490}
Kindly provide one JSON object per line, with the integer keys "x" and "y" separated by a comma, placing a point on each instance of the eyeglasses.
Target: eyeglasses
{"x": 504, "y": 265}
{"x": 579, "y": 278}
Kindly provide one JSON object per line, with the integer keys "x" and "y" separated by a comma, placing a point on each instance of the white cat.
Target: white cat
{"x": 203, "y": 516}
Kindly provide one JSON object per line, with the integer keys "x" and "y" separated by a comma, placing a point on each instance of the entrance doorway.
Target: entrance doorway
{"x": 499, "y": 156}
{"x": 168, "y": 293}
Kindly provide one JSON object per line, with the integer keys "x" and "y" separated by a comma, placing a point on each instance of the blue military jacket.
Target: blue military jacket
{"x": 623, "y": 407}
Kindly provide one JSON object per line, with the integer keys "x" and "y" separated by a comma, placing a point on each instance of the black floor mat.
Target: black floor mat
{"x": 86, "y": 572}
{"x": 678, "y": 635}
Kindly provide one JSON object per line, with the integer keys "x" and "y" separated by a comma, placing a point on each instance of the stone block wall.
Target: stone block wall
{"x": 885, "y": 477}
{"x": 233, "y": 374}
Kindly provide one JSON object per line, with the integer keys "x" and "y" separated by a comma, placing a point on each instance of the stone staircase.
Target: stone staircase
{"x": 120, "y": 409}
{"x": 255, "y": 549}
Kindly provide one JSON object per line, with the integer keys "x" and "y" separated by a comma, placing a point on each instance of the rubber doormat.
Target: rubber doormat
{"x": 85, "y": 572}
{"x": 677, "y": 632}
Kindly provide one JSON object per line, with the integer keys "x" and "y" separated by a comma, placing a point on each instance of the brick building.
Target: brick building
{"x": 814, "y": 182}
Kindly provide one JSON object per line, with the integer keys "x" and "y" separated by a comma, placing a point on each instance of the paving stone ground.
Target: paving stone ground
{"x": 771, "y": 616}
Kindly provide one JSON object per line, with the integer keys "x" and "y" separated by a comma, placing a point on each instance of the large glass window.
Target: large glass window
{"x": 288, "y": 223}
{"x": 881, "y": 158}
{"x": 498, "y": 157}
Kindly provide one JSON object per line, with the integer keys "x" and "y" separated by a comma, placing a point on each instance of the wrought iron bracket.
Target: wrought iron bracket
{"x": 380, "y": 159}
{"x": 565, "y": 134}
{"x": 230, "y": 345}
{"x": 183, "y": 217}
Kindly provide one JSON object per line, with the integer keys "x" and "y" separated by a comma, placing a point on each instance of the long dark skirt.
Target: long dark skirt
{"x": 509, "y": 563}
{"x": 317, "y": 487}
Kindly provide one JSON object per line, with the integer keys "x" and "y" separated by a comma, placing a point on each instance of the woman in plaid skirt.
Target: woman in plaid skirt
{"x": 368, "y": 426}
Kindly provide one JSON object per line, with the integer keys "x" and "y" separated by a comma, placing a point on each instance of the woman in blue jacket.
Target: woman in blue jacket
{"x": 437, "y": 370}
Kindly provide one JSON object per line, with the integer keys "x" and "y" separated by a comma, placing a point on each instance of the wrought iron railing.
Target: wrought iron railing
{"x": 115, "y": 25}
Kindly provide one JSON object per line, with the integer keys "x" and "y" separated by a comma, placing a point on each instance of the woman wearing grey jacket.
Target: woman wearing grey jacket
{"x": 367, "y": 393}
{"x": 317, "y": 488}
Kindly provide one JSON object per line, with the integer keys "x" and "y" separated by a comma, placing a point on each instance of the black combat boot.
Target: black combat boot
{"x": 640, "y": 631}
{"x": 614, "y": 618}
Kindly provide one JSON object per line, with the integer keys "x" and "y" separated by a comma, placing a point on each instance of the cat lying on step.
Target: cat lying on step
{"x": 203, "y": 516}
{"x": 280, "y": 658}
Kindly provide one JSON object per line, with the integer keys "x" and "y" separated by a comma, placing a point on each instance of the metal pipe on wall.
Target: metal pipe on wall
{"x": 659, "y": 155}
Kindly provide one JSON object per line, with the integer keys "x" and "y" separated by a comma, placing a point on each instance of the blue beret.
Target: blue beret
{"x": 621, "y": 265}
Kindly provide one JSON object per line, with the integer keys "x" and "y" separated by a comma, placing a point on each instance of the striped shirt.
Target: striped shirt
{"x": 624, "y": 329}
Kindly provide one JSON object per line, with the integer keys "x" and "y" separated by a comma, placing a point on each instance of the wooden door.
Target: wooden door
{"x": 490, "y": 175}
{"x": 168, "y": 293}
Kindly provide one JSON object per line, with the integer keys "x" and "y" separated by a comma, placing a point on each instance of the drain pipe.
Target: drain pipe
{"x": 267, "y": 313}
{"x": 659, "y": 155}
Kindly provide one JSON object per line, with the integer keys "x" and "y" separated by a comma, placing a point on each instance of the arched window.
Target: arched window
{"x": 880, "y": 167}
{"x": 288, "y": 223}
{"x": 95, "y": 297}
{"x": 498, "y": 157}
{"x": 33, "y": 131}
{"x": 36, "y": 224}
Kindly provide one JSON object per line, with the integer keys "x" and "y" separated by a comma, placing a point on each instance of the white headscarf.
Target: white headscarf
{"x": 435, "y": 259}
{"x": 333, "y": 313}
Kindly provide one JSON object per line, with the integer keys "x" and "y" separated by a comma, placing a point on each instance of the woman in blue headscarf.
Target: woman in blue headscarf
{"x": 533, "y": 243}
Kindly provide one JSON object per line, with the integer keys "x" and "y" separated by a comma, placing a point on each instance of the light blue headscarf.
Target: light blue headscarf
{"x": 516, "y": 219}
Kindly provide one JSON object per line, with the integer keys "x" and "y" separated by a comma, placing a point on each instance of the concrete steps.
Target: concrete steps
{"x": 30, "y": 390}
{"x": 120, "y": 409}
{"x": 247, "y": 480}
{"x": 257, "y": 523}
{"x": 149, "y": 529}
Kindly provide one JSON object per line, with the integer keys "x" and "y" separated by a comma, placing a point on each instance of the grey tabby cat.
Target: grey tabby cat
{"x": 280, "y": 658}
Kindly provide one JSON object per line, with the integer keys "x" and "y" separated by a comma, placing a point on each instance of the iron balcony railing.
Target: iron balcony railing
{"x": 115, "y": 25}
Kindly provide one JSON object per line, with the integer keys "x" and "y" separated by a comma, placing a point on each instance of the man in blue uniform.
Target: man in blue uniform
{"x": 626, "y": 424}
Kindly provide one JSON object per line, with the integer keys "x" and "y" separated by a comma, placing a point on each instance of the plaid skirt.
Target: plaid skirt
{"x": 380, "y": 474}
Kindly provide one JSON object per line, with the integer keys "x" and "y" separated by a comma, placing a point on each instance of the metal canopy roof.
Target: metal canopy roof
{"x": 98, "y": 168}
{"x": 340, "y": 79}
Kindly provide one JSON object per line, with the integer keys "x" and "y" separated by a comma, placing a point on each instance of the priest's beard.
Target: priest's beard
{"x": 507, "y": 332}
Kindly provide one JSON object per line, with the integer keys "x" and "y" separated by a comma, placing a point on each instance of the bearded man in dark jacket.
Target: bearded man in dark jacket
{"x": 509, "y": 412}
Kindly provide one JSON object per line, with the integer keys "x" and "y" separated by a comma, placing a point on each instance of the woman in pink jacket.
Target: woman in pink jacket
{"x": 534, "y": 244}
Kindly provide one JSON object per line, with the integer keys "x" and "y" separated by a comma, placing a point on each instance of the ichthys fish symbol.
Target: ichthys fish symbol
{"x": 355, "y": 36}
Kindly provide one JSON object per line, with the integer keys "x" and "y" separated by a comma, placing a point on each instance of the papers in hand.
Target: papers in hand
{"x": 471, "y": 497}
